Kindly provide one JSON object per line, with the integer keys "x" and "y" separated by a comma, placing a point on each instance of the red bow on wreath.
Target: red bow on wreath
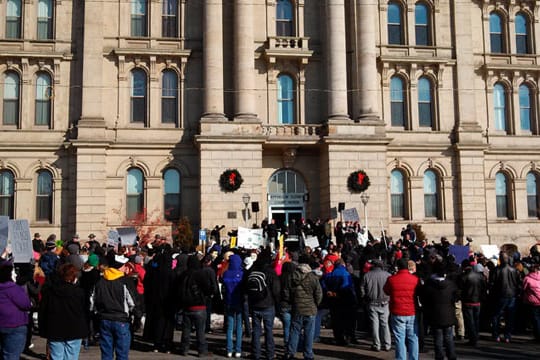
{"x": 232, "y": 179}
{"x": 361, "y": 178}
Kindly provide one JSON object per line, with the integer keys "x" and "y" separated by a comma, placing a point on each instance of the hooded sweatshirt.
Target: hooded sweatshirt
{"x": 112, "y": 300}
{"x": 233, "y": 295}
{"x": 306, "y": 292}
{"x": 438, "y": 296}
{"x": 531, "y": 288}
{"x": 14, "y": 305}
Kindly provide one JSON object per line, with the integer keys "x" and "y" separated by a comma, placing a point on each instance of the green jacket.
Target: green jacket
{"x": 305, "y": 291}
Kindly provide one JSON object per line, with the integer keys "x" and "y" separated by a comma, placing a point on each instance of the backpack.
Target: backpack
{"x": 256, "y": 288}
{"x": 189, "y": 293}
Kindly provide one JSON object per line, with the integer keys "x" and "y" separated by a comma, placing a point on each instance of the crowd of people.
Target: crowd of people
{"x": 87, "y": 293}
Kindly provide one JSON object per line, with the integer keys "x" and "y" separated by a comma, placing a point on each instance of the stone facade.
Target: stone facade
{"x": 229, "y": 59}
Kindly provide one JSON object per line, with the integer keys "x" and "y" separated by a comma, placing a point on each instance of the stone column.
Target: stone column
{"x": 337, "y": 61}
{"x": 213, "y": 59}
{"x": 367, "y": 61}
{"x": 244, "y": 57}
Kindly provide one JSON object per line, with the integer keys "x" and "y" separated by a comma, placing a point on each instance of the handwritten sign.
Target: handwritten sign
{"x": 350, "y": 215}
{"x": 250, "y": 238}
{"x": 312, "y": 242}
{"x": 112, "y": 238}
{"x": 21, "y": 240}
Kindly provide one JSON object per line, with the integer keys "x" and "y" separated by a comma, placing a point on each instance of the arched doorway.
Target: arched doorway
{"x": 286, "y": 197}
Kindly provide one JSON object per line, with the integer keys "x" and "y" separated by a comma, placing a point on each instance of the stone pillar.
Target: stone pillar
{"x": 337, "y": 60}
{"x": 213, "y": 59}
{"x": 367, "y": 61}
{"x": 244, "y": 57}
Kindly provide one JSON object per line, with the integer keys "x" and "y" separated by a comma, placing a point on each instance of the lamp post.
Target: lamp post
{"x": 365, "y": 198}
{"x": 245, "y": 200}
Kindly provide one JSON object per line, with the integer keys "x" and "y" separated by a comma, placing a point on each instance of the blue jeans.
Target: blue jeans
{"x": 196, "y": 318}
{"x": 321, "y": 313}
{"x": 12, "y": 341}
{"x": 405, "y": 331}
{"x": 115, "y": 338}
{"x": 286, "y": 320}
{"x": 65, "y": 350}
{"x": 471, "y": 317}
{"x": 505, "y": 306}
{"x": 234, "y": 324}
{"x": 299, "y": 323}
{"x": 258, "y": 317}
{"x": 444, "y": 337}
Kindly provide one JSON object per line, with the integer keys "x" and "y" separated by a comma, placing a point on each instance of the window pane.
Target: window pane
{"x": 499, "y": 103}
{"x": 421, "y": 24}
{"x": 45, "y": 19}
{"x": 285, "y": 100}
{"x": 169, "y": 26}
{"x": 524, "y": 107}
{"x": 496, "y": 33}
{"x": 284, "y": 18}
{"x": 172, "y": 181}
{"x": 168, "y": 110}
{"x": 430, "y": 182}
{"x": 134, "y": 206}
{"x": 134, "y": 192}
{"x": 6, "y": 183}
{"x": 134, "y": 182}
{"x": 397, "y": 206}
{"x": 43, "y": 112}
{"x": 430, "y": 205}
{"x": 396, "y": 182}
{"x": 394, "y": 24}
{"x": 500, "y": 184}
{"x": 532, "y": 195}
{"x": 10, "y": 114}
{"x": 138, "y": 96}
{"x": 425, "y": 106}
{"x": 44, "y": 197}
{"x": 172, "y": 206}
{"x": 521, "y": 26}
{"x": 397, "y": 103}
{"x": 138, "y": 17}
{"x": 13, "y": 19}
{"x": 502, "y": 206}
{"x": 170, "y": 7}
{"x": 169, "y": 97}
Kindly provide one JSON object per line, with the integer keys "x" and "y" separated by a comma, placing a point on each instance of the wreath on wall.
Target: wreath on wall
{"x": 358, "y": 181}
{"x": 230, "y": 180}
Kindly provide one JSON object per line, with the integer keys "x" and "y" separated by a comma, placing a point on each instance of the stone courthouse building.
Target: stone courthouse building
{"x": 113, "y": 107}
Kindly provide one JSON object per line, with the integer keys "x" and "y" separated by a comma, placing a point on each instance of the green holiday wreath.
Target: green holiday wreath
{"x": 230, "y": 180}
{"x": 358, "y": 181}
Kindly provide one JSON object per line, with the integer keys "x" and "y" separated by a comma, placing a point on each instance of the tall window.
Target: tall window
{"x": 397, "y": 102}
{"x": 421, "y": 17}
{"x": 138, "y": 18}
{"x": 431, "y": 195}
{"x": 525, "y": 112}
{"x": 13, "y": 19}
{"x": 45, "y": 20}
{"x": 171, "y": 180}
{"x": 138, "y": 96}
{"x": 533, "y": 201}
{"x": 44, "y": 197}
{"x": 395, "y": 26}
{"x": 7, "y": 190}
{"x": 43, "y": 99}
{"x": 496, "y": 34}
{"x": 10, "y": 114}
{"x": 499, "y": 106}
{"x": 285, "y": 99}
{"x": 501, "y": 192}
{"x": 134, "y": 193}
{"x": 170, "y": 18}
{"x": 425, "y": 102}
{"x": 284, "y": 18}
{"x": 522, "y": 34}
{"x": 169, "y": 97}
{"x": 397, "y": 194}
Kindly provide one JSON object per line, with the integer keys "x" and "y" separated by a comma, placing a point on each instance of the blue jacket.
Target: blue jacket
{"x": 233, "y": 294}
{"x": 340, "y": 283}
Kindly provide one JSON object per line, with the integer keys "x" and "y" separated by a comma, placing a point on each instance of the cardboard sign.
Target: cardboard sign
{"x": 112, "y": 238}
{"x": 128, "y": 235}
{"x": 21, "y": 240}
{"x": 4, "y": 220}
{"x": 312, "y": 242}
{"x": 460, "y": 252}
{"x": 250, "y": 238}
{"x": 490, "y": 251}
{"x": 350, "y": 215}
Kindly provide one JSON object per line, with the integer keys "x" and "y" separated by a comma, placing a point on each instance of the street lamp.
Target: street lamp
{"x": 365, "y": 198}
{"x": 245, "y": 200}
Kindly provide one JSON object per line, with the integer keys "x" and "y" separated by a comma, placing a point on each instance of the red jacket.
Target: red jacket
{"x": 401, "y": 288}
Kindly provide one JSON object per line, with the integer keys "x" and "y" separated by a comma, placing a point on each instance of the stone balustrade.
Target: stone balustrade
{"x": 296, "y": 130}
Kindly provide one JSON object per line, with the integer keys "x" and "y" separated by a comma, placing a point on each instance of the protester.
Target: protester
{"x": 473, "y": 289}
{"x": 233, "y": 296}
{"x": 531, "y": 296}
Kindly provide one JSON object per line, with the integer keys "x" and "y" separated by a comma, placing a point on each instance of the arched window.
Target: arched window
{"x": 533, "y": 200}
{"x": 397, "y": 194}
{"x": 496, "y": 33}
{"x": 44, "y": 196}
{"x": 7, "y": 191}
{"x": 169, "y": 97}
{"x": 10, "y": 114}
{"x": 422, "y": 26}
{"x": 525, "y": 111}
{"x": 499, "y": 107}
{"x": 501, "y": 192}
{"x": 284, "y": 18}
{"x": 139, "y": 18}
{"x": 43, "y": 99}
{"x": 398, "y": 105}
{"x": 134, "y": 193}
{"x": 13, "y": 19}
{"x": 522, "y": 34}
{"x": 285, "y": 99}
{"x": 169, "y": 18}
{"x": 425, "y": 102}
{"x": 395, "y": 24}
{"x": 138, "y": 96}
{"x": 171, "y": 185}
{"x": 431, "y": 195}
{"x": 45, "y": 20}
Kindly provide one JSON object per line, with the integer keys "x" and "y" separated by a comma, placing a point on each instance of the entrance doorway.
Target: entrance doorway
{"x": 286, "y": 194}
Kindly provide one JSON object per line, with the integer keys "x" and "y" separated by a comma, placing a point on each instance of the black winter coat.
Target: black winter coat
{"x": 473, "y": 287}
{"x": 438, "y": 297}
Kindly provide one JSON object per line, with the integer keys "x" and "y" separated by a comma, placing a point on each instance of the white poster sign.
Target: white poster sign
{"x": 21, "y": 240}
{"x": 250, "y": 238}
{"x": 128, "y": 235}
{"x": 350, "y": 215}
{"x": 312, "y": 242}
{"x": 490, "y": 251}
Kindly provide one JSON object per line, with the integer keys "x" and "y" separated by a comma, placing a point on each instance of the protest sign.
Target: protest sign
{"x": 333, "y": 213}
{"x": 4, "y": 220}
{"x": 312, "y": 242}
{"x": 113, "y": 238}
{"x": 20, "y": 240}
{"x": 460, "y": 252}
{"x": 202, "y": 237}
{"x": 250, "y": 238}
{"x": 350, "y": 215}
{"x": 490, "y": 251}
{"x": 128, "y": 235}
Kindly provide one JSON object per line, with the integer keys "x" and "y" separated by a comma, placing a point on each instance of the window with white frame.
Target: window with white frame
{"x": 502, "y": 195}
{"x": 425, "y": 102}
{"x": 134, "y": 193}
{"x": 171, "y": 194}
{"x": 395, "y": 24}
{"x": 397, "y": 194}
{"x": 170, "y": 18}
{"x": 431, "y": 195}
{"x": 500, "y": 110}
{"x": 533, "y": 200}
{"x": 7, "y": 192}
{"x": 45, "y": 20}
{"x": 139, "y": 17}
{"x": 422, "y": 24}
{"x": 284, "y": 18}
{"x": 44, "y": 196}
{"x": 11, "y": 110}
{"x": 523, "y": 44}
{"x": 496, "y": 33}
{"x": 398, "y": 103}
{"x": 13, "y": 19}
{"x": 43, "y": 99}
{"x": 169, "y": 97}
{"x": 138, "y": 96}
{"x": 286, "y": 99}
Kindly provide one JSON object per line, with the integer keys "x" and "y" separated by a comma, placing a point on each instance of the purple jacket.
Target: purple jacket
{"x": 14, "y": 305}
